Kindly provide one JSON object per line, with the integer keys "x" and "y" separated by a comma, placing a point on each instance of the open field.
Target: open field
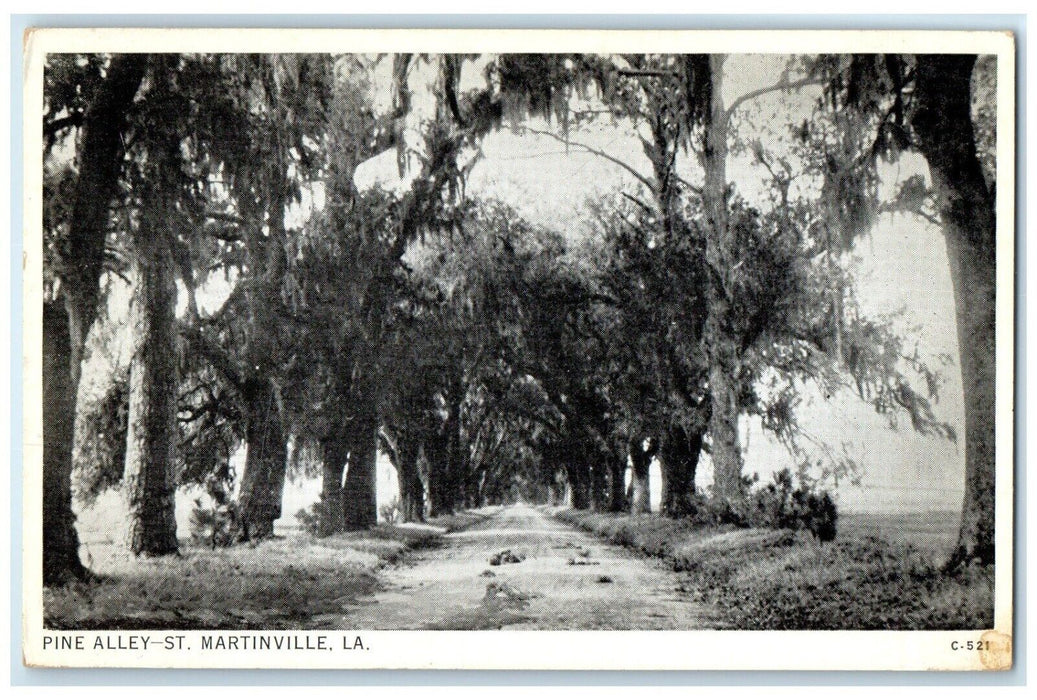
{"x": 932, "y": 533}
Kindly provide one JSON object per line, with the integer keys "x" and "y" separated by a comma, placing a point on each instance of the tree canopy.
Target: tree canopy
{"x": 490, "y": 357}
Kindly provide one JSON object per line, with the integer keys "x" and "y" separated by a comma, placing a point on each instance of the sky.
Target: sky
{"x": 900, "y": 268}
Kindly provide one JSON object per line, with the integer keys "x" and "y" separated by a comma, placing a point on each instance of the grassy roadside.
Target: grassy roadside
{"x": 279, "y": 583}
{"x": 779, "y": 579}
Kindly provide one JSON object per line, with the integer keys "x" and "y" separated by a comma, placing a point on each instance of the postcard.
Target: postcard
{"x": 518, "y": 349}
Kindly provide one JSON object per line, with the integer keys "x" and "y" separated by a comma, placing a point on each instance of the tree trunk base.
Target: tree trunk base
{"x": 640, "y": 487}
{"x": 255, "y": 530}
{"x": 60, "y": 569}
{"x": 61, "y": 562}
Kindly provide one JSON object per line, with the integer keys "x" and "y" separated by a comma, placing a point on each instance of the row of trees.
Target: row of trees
{"x": 483, "y": 354}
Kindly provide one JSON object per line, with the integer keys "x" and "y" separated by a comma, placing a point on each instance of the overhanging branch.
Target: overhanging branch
{"x": 782, "y": 85}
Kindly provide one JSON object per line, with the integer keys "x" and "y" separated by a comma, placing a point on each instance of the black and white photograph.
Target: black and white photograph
{"x": 332, "y": 340}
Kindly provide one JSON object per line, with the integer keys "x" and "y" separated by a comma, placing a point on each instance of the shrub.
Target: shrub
{"x": 390, "y": 511}
{"x": 782, "y": 504}
{"x": 214, "y": 524}
{"x": 321, "y": 519}
{"x": 821, "y": 516}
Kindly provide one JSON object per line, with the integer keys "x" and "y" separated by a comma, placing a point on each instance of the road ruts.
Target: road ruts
{"x": 567, "y": 580}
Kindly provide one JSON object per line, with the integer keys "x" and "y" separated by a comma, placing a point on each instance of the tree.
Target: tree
{"x": 289, "y": 85}
{"x": 78, "y": 262}
{"x": 759, "y": 282}
{"x": 925, "y": 102}
{"x": 721, "y": 351}
{"x": 279, "y": 101}
{"x": 151, "y": 440}
{"x": 163, "y": 190}
{"x": 681, "y": 100}
{"x": 366, "y": 234}
{"x": 942, "y": 121}
{"x": 336, "y": 278}
{"x": 655, "y": 278}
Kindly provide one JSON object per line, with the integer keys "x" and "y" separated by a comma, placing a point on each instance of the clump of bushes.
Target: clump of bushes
{"x": 390, "y": 511}
{"x": 781, "y": 505}
{"x": 214, "y": 524}
{"x": 322, "y": 519}
{"x": 780, "y": 579}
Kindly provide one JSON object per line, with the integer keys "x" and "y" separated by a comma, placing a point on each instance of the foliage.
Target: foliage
{"x": 984, "y": 115}
{"x": 100, "y": 453}
{"x": 211, "y": 428}
{"x": 781, "y": 504}
{"x": 499, "y": 354}
{"x": 764, "y": 579}
{"x": 70, "y": 83}
{"x": 321, "y": 519}
{"x": 215, "y": 519}
{"x": 213, "y": 525}
{"x": 390, "y": 511}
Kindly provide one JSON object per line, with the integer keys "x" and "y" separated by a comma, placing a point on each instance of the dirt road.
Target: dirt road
{"x": 563, "y": 579}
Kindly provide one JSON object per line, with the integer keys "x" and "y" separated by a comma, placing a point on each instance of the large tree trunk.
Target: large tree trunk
{"x": 943, "y": 124}
{"x": 458, "y": 457}
{"x": 412, "y": 490}
{"x": 440, "y": 501}
{"x": 579, "y": 488}
{"x": 149, "y": 479}
{"x": 447, "y": 488}
{"x": 721, "y": 349}
{"x": 617, "y": 489}
{"x": 598, "y": 478}
{"x": 640, "y": 461}
{"x": 474, "y": 482}
{"x": 679, "y": 455}
{"x": 440, "y": 479}
{"x": 81, "y": 252}
{"x": 60, "y": 541}
{"x": 81, "y": 260}
{"x": 334, "y": 454}
{"x": 262, "y": 483}
{"x": 359, "y": 495}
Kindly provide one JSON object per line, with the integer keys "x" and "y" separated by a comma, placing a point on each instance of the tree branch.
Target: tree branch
{"x": 223, "y": 216}
{"x": 594, "y": 151}
{"x": 645, "y": 73}
{"x": 51, "y": 128}
{"x": 781, "y": 85}
{"x": 216, "y": 356}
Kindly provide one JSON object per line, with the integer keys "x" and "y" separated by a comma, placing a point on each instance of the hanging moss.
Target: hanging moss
{"x": 698, "y": 86}
{"x": 101, "y": 445}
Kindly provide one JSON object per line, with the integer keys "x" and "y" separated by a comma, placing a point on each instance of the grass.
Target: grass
{"x": 779, "y": 579}
{"x": 279, "y": 583}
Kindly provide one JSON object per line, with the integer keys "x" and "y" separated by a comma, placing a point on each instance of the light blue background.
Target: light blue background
{"x": 24, "y": 676}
